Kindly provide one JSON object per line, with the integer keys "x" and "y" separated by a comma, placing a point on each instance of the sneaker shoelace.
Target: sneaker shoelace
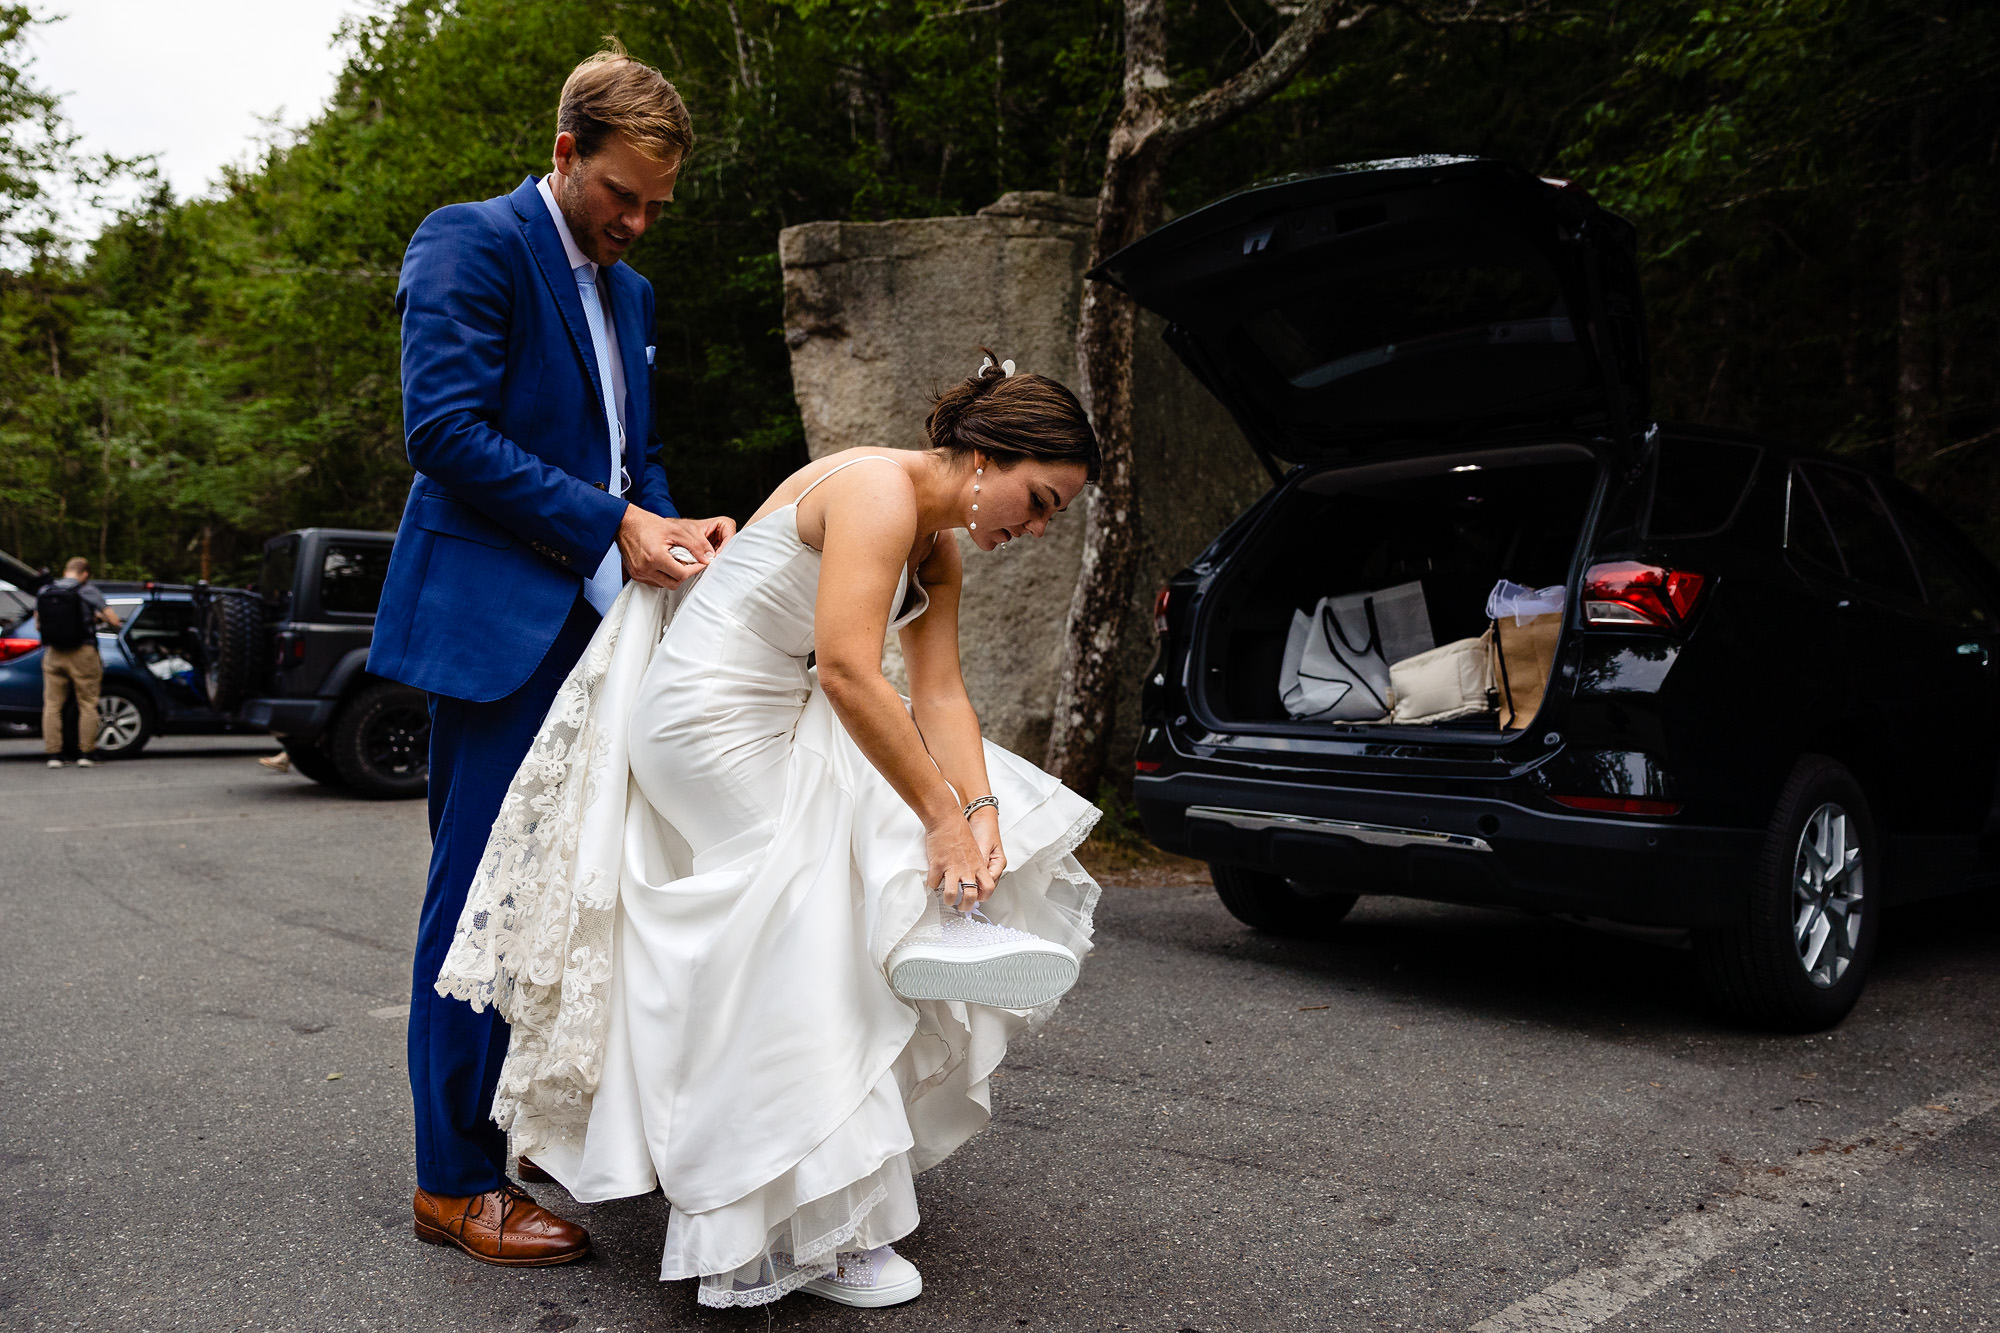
{"x": 972, "y": 928}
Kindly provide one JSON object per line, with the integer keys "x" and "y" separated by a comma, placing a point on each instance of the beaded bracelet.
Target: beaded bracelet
{"x": 981, "y": 804}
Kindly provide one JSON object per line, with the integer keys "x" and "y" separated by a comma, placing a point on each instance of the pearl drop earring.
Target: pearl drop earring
{"x": 976, "y": 472}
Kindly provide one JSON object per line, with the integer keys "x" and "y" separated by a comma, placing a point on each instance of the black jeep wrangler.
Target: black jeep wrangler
{"x": 291, "y": 657}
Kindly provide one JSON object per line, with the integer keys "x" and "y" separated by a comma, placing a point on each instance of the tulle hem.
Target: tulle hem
{"x": 778, "y": 1272}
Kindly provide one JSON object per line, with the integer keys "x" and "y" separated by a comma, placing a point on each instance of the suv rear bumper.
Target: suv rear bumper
{"x": 1464, "y": 849}
{"x": 298, "y": 719}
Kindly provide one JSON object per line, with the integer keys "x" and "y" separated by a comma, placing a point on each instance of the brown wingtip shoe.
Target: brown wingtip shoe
{"x": 502, "y": 1226}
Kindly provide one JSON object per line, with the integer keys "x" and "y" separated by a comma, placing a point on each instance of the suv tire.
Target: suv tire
{"x": 1796, "y": 959}
{"x": 1273, "y": 904}
{"x": 380, "y": 742}
{"x": 125, "y": 722}
{"x": 231, "y": 628}
{"x": 310, "y": 759}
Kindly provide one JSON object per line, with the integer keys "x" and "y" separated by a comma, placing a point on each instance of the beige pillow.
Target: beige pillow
{"x": 1444, "y": 683}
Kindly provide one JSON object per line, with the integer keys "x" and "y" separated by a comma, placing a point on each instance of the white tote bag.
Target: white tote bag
{"x": 1336, "y": 663}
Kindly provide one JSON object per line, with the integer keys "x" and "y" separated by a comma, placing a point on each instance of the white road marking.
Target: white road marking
{"x": 390, "y": 1011}
{"x": 162, "y": 823}
{"x": 1768, "y": 1196}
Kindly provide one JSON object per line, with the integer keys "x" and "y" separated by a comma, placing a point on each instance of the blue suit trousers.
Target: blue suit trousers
{"x": 455, "y": 1054}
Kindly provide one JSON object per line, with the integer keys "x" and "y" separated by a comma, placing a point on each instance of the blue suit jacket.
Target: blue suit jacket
{"x": 505, "y": 424}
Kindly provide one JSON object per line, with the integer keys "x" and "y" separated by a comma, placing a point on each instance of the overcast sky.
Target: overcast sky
{"x": 187, "y": 79}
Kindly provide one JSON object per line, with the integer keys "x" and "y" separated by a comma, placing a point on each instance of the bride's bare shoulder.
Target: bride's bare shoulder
{"x": 871, "y": 483}
{"x": 807, "y": 478}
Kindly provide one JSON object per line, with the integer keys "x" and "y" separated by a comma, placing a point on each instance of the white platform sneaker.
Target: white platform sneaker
{"x": 966, "y": 957}
{"x": 870, "y": 1278}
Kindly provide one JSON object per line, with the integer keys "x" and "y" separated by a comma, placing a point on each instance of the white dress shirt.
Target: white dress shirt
{"x": 603, "y": 585}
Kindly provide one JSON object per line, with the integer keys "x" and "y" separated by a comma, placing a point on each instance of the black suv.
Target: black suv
{"x": 1771, "y": 706}
{"x": 292, "y": 658}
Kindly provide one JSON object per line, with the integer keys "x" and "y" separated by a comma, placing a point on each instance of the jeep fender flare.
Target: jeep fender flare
{"x": 347, "y": 673}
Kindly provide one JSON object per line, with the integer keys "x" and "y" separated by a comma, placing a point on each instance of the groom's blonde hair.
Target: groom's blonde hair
{"x": 611, "y": 93}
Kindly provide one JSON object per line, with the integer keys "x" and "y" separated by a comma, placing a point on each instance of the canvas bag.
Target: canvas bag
{"x": 1454, "y": 680}
{"x": 1336, "y": 663}
{"x": 1526, "y": 624}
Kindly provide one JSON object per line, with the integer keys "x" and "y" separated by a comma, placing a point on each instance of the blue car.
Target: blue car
{"x": 151, "y": 683}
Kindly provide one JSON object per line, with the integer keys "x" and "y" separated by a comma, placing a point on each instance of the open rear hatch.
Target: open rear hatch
{"x": 1401, "y": 303}
{"x": 1453, "y": 350}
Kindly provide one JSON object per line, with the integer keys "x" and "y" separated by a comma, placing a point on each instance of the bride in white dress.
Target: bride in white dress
{"x": 721, "y": 905}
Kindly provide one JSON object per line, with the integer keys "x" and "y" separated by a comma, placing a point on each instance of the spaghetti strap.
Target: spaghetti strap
{"x": 865, "y": 458}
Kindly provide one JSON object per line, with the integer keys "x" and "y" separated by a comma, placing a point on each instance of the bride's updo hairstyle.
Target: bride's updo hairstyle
{"x": 1010, "y": 418}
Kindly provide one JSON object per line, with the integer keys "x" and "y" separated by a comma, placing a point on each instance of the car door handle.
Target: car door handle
{"x": 1977, "y": 650}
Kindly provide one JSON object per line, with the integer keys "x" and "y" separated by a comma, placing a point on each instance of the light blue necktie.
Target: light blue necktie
{"x": 602, "y": 588}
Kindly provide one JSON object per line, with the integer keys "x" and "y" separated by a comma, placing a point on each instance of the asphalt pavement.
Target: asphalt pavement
{"x": 1440, "y": 1119}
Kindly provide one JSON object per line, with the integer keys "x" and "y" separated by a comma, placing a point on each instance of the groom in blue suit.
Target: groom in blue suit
{"x": 527, "y": 406}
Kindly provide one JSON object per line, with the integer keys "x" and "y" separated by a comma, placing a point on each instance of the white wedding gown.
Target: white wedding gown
{"x": 693, "y": 960}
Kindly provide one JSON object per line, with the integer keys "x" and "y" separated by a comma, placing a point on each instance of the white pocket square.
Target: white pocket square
{"x": 649, "y": 355}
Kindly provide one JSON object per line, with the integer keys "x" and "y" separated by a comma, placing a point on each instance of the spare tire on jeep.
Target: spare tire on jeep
{"x": 232, "y": 628}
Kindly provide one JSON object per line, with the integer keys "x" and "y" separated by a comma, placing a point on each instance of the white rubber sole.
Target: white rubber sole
{"x": 1005, "y": 977}
{"x": 868, "y": 1298}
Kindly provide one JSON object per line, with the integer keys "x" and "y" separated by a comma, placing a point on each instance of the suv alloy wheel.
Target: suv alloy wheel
{"x": 381, "y": 741}
{"x": 124, "y": 723}
{"x": 1797, "y": 958}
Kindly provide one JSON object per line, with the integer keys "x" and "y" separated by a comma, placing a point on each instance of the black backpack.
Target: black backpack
{"x": 66, "y": 622}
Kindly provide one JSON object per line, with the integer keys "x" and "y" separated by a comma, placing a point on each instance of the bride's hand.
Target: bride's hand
{"x": 957, "y": 858}
{"x": 986, "y": 831}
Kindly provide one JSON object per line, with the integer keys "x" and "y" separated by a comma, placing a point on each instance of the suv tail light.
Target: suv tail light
{"x": 1160, "y": 611}
{"x": 1628, "y": 595}
{"x": 13, "y": 648}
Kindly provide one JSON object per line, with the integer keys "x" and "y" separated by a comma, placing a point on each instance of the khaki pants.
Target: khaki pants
{"x": 64, "y": 669}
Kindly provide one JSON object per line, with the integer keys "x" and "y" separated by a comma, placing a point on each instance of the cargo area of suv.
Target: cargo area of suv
{"x": 1455, "y": 523}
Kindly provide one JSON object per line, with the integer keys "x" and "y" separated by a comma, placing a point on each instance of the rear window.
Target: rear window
{"x": 1868, "y": 540}
{"x": 1698, "y": 485}
{"x": 15, "y": 605}
{"x": 281, "y": 562}
{"x": 351, "y": 578}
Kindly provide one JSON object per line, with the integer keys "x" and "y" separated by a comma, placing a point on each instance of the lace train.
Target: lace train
{"x": 535, "y": 940}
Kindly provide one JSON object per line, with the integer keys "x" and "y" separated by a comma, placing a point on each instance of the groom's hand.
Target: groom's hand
{"x": 646, "y": 542}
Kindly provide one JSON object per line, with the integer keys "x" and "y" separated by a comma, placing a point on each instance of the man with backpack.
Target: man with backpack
{"x": 66, "y": 612}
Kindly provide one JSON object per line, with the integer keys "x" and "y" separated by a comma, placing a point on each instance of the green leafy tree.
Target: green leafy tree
{"x": 1813, "y": 180}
